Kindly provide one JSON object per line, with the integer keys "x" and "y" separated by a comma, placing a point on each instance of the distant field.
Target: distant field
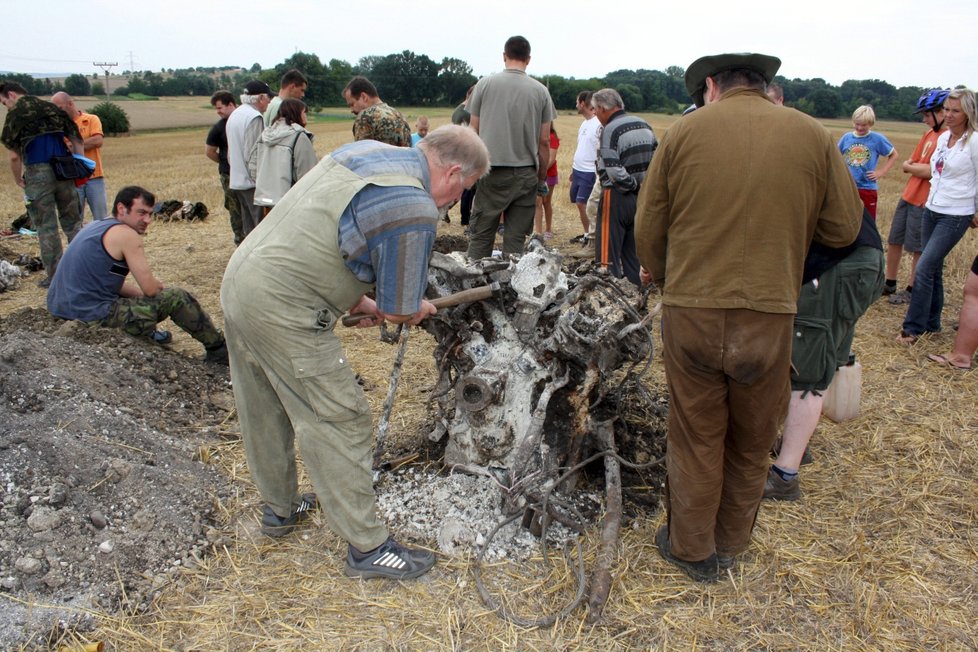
{"x": 180, "y": 112}
{"x": 183, "y": 112}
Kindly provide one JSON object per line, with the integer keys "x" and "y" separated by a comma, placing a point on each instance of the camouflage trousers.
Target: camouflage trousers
{"x": 52, "y": 201}
{"x": 234, "y": 210}
{"x": 139, "y": 316}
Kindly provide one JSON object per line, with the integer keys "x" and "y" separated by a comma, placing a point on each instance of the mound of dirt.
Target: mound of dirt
{"x": 104, "y": 497}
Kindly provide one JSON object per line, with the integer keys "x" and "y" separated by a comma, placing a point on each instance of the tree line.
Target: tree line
{"x": 409, "y": 79}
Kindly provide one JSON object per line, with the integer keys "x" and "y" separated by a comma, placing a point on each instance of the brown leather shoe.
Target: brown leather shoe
{"x": 706, "y": 571}
{"x": 777, "y": 489}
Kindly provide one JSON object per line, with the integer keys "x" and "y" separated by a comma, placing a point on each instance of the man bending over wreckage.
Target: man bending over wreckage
{"x": 364, "y": 218}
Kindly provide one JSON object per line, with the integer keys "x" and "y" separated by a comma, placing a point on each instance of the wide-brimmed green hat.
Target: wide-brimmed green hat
{"x": 767, "y": 66}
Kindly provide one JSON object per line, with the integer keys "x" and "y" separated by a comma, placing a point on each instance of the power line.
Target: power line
{"x": 10, "y": 56}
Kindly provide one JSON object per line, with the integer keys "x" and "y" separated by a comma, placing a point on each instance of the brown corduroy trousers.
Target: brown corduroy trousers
{"x": 728, "y": 376}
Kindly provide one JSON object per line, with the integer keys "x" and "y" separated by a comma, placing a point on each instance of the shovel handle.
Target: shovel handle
{"x": 480, "y": 293}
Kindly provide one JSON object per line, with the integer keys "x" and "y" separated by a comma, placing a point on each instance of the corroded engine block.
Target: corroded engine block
{"x": 519, "y": 372}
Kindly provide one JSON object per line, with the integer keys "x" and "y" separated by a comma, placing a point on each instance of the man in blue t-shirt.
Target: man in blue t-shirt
{"x": 34, "y": 132}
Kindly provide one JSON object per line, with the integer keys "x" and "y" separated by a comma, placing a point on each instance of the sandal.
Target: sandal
{"x": 945, "y": 361}
{"x": 907, "y": 338}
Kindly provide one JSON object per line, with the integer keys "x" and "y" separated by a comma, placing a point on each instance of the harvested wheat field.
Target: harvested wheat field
{"x": 881, "y": 552}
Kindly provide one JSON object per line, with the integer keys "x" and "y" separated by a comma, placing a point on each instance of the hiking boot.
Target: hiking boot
{"x": 161, "y": 337}
{"x": 276, "y": 526}
{"x": 725, "y": 562}
{"x": 390, "y": 560}
{"x": 889, "y": 289}
{"x": 899, "y": 298}
{"x": 706, "y": 571}
{"x": 217, "y": 355}
{"x": 777, "y": 488}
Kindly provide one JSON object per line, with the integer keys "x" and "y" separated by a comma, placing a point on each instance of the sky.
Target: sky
{"x": 904, "y": 43}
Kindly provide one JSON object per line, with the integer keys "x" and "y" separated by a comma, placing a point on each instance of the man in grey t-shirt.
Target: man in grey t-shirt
{"x": 512, "y": 113}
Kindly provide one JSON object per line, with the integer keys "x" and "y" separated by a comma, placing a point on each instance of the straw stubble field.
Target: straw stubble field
{"x": 880, "y": 553}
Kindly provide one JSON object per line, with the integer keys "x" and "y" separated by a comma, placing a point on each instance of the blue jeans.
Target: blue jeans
{"x": 939, "y": 234}
{"x": 92, "y": 193}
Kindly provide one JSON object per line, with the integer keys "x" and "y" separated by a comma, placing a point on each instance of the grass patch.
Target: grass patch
{"x": 138, "y": 97}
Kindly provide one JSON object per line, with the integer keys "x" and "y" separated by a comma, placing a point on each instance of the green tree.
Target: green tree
{"x": 454, "y": 79}
{"x": 631, "y": 95}
{"x": 338, "y": 75}
{"x": 77, "y": 85}
{"x": 30, "y": 84}
{"x": 365, "y": 66}
{"x": 826, "y": 103}
{"x": 98, "y": 89}
{"x": 154, "y": 84}
{"x": 136, "y": 85}
{"x": 676, "y": 72}
{"x": 114, "y": 119}
{"x": 406, "y": 79}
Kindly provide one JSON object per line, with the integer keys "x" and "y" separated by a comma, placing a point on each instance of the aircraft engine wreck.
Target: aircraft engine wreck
{"x": 519, "y": 372}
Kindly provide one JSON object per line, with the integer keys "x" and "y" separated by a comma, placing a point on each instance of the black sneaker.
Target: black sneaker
{"x": 579, "y": 238}
{"x": 161, "y": 337}
{"x": 777, "y": 488}
{"x": 276, "y": 526}
{"x": 706, "y": 571}
{"x": 889, "y": 289}
{"x": 217, "y": 355}
{"x": 390, "y": 560}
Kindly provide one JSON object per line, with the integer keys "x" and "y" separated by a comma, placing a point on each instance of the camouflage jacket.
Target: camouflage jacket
{"x": 32, "y": 117}
{"x": 384, "y": 123}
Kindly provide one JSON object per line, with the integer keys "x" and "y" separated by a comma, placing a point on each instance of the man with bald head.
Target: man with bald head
{"x": 90, "y": 127}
